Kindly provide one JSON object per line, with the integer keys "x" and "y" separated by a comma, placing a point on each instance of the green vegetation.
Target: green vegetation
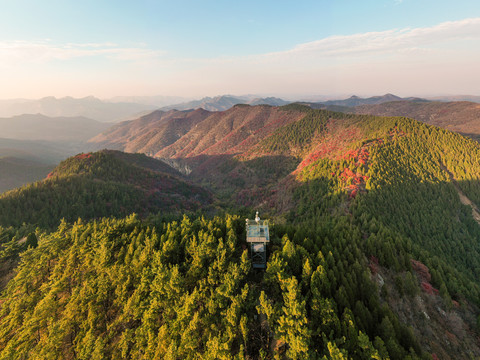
{"x": 185, "y": 289}
{"x": 100, "y": 184}
{"x": 121, "y": 289}
{"x": 408, "y": 198}
{"x": 366, "y": 195}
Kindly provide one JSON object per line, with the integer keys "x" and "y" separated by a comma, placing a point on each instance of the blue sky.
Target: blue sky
{"x": 197, "y": 48}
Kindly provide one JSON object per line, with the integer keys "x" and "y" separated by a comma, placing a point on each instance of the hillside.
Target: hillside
{"x": 187, "y": 291}
{"x": 374, "y": 252}
{"x": 459, "y": 116}
{"x": 106, "y": 183}
{"x": 149, "y": 133}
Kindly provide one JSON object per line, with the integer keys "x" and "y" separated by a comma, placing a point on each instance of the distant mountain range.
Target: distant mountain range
{"x": 41, "y": 127}
{"x": 123, "y": 107}
{"x": 156, "y": 101}
{"x": 130, "y": 107}
{"x": 471, "y": 98}
{"x": 89, "y": 107}
{"x": 357, "y": 101}
{"x": 225, "y": 102}
{"x": 46, "y": 152}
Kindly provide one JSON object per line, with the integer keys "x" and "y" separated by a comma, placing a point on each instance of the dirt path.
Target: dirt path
{"x": 463, "y": 198}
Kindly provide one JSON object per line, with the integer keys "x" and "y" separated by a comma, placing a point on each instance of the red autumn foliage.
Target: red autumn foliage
{"x": 83, "y": 156}
{"x": 373, "y": 265}
{"x": 428, "y": 288}
{"x": 421, "y": 270}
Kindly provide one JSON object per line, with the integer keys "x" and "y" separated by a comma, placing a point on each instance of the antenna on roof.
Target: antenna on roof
{"x": 257, "y": 218}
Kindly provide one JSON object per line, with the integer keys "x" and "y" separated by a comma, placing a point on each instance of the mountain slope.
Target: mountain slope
{"x": 150, "y": 133}
{"x": 187, "y": 290}
{"x": 101, "y": 184}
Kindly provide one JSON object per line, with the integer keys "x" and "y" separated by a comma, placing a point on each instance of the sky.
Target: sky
{"x": 196, "y": 48}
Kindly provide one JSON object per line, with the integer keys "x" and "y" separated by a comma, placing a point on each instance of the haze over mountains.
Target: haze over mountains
{"x": 41, "y": 127}
{"x": 356, "y": 101}
{"x": 89, "y": 107}
{"x": 121, "y": 107}
{"x": 31, "y": 144}
{"x": 17, "y": 172}
{"x": 225, "y": 102}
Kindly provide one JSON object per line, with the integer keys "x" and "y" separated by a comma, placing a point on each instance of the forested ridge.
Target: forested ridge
{"x": 183, "y": 289}
{"x": 372, "y": 253}
{"x": 100, "y": 184}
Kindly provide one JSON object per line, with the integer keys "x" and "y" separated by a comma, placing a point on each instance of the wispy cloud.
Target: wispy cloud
{"x": 404, "y": 60}
{"x": 46, "y": 50}
{"x": 387, "y": 41}
{"x": 407, "y": 60}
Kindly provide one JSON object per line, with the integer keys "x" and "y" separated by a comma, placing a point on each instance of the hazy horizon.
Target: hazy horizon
{"x": 287, "y": 97}
{"x": 188, "y": 49}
